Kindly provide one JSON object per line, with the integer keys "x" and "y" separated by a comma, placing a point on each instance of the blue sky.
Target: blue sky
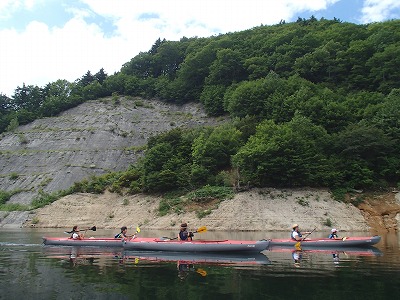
{"x": 46, "y": 40}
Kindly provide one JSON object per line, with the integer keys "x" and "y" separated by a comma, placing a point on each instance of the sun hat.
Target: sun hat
{"x": 295, "y": 225}
{"x": 183, "y": 225}
{"x": 334, "y": 230}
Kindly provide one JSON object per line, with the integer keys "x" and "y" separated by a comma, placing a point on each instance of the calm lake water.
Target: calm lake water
{"x": 29, "y": 270}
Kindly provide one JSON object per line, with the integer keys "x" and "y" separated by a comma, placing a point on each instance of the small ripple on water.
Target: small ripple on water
{"x": 7, "y": 244}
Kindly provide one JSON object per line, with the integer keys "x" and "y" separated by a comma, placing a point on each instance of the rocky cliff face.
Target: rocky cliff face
{"x": 91, "y": 139}
{"x": 253, "y": 210}
{"x": 101, "y": 136}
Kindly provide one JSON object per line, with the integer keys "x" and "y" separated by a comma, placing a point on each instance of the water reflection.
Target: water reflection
{"x": 185, "y": 261}
{"x": 304, "y": 258}
{"x": 30, "y": 270}
{"x": 185, "y": 269}
{"x": 297, "y": 255}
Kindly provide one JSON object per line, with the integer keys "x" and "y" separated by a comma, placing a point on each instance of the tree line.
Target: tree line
{"x": 312, "y": 102}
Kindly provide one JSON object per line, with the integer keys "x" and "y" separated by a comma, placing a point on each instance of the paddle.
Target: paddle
{"x": 201, "y": 272}
{"x": 93, "y": 228}
{"x": 137, "y": 231}
{"x": 127, "y": 237}
{"x": 199, "y": 230}
{"x": 297, "y": 245}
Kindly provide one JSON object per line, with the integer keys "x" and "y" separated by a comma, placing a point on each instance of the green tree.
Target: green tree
{"x": 27, "y": 97}
{"x": 168, "y": 153}
{"x": 254, "y": 97}
{"x": 193, "y": 71}
{"x": 168, "y": 58}
{"x": 226, "y": 68}
{"x": 387, "y": 117}
{"x": 212, "y": 97}
{"x": 93, "y": 91}
{"x": 213, "y": 148}
{"x": 362, "y": 152}
{"x": 140, "y": 65}
{"x": 5, "y": 104}
{"x": 116, "y": 83}
{"x": 87, "y": 79}
{"x": 384, "y": 68}
{"x": 290, "y": 154}
{"x": 100, "y": 76}
{"x": 257, "y": 67}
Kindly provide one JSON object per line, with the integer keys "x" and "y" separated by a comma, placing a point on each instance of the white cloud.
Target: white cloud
{"x": 214, "y": 15}
{"x": 7, "y": 7}
{"x": 41, "y": 54}
{"x": 379, "y": 10}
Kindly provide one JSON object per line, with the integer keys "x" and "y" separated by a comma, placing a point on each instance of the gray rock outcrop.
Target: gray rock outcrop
{"x": 94, "y": 138}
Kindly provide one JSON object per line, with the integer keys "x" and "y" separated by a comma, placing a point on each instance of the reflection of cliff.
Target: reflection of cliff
{"x": 382, "y": 212}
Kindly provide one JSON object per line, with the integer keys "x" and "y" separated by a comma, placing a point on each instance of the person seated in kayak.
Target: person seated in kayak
{"x": 122, "y": 234}
{"x": 334, "y": 235}
{"x": 75, "y": 234}
{"x": 296, "y": 235}
{"x": 184, "y": 235}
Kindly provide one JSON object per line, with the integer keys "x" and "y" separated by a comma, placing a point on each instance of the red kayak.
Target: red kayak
{"x": 163, "y": 244}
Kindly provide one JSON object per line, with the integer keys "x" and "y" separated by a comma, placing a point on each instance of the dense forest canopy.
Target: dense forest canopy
{"x": 313, "y": 102}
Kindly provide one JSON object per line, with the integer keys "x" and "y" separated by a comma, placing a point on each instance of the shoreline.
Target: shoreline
{"x": 250, "y": 211}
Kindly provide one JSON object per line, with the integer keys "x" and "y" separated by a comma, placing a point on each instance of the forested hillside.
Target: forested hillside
{"x": 312, "y": 103}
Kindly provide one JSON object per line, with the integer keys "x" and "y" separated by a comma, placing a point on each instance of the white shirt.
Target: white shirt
{"x": 75, "y": 235}
{"x": 295, "y": 234}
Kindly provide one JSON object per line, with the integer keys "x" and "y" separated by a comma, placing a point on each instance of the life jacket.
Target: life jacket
{"x": 333, "y": 235}
{"x": 292, "y": 237}
{"x": 183, "y": 235}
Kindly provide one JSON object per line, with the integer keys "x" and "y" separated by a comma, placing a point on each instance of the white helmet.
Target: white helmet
{"x": 333, "y": 230}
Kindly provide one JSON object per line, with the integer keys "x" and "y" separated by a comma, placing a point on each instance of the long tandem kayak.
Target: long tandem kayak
{"x": 329, "y": 243}
{"x": 163, "y": 244}
{"x": 155, "y": 244}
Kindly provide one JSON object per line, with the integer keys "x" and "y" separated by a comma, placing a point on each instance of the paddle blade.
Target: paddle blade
{"x": 93, "y": 228}
{"x": 201, "y": 229}
{"x": 201, "y": 272}
{"x": 137, "y": 229}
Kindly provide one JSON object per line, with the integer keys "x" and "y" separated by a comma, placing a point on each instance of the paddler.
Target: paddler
{"x": 296, "y": 235}
{"x": 184, "y": 235}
